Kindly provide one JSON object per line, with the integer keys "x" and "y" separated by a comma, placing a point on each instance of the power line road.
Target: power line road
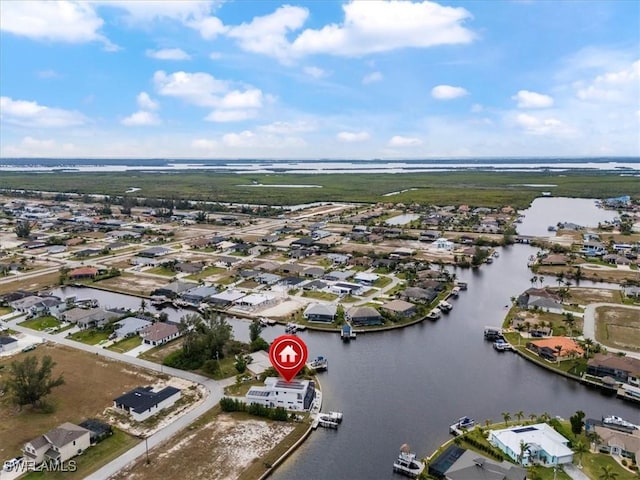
{"x": 214, "y": 392}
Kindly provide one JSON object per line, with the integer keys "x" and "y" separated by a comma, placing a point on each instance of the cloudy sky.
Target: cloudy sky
{"x": 319, "y": 79}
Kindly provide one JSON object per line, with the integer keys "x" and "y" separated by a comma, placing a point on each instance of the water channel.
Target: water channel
{"x": 409, "y": 385}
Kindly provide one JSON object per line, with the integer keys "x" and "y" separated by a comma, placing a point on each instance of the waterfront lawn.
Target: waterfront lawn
{"x": 41, "y": 323}
{"x": 575, "y": 366}
{"x": 93, "y": 458}
{"x": 126, "y": 344}
{"x": 592, "y": 464}
{"x": 91, "y": 336}
{"x": 618, "y": 327}
{"x": 320, "y": 295}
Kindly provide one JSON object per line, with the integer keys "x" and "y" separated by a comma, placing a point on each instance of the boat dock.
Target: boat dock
{"x": 329, "y": 420}
{"x": 462, "y": 426}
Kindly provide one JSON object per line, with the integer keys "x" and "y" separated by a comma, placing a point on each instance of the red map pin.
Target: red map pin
{"x": 288, "y": 354}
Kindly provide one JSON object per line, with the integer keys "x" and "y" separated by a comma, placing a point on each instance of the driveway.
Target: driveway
{"x": 214, "y": 389}
{"x": 589, "y": 328}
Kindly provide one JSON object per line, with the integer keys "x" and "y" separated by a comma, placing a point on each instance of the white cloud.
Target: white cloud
{"x": 168, "y": 54}
{"x": 223, "y": 116}
{"x": 145, "y": 102}
{"x": 527, "y": 99}
{"x": 150, "y": 10}
{"x": 370, "y": 27}
{"x": 447, "y": 92}
{"x": 204, "y": 144}
{"x": 251, "y": 141}
{"x": 241, "y": 139}
{"x": 209, "y": 27}
{"x": 614, "y": 86}
{"x": 315, "y": 72}
{"x": 141, "y": 118}
{"x": 372, "y": 78}
{"x": 50, "y": 73}
{"x": 251, "y": 98}
{"x": 196, "y": 88}
{"x": 268, "y": 34}
{"x": 59, "y": 21}
{"x": 399, "y": 141}
{"x": 352, "y": 137}
{"x": 29, "y": 147}
{"x": 543, "y": 126}
{"x": 287, "y": 127}
{"x": 31, "y": 114}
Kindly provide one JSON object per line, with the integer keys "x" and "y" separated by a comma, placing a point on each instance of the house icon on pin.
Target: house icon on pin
{"x": 288, "y": 354}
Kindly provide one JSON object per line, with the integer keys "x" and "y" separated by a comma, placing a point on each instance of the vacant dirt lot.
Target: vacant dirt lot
{"x": 222, "y": 449}
{"x": 136, "y": 284}
{"x": 91, "y": 384}
{"x": 618, "y": 327}
{"x": 585, "y": 296}
{"x": 39, "y": 282}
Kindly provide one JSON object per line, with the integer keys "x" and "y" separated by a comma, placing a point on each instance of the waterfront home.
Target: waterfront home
{"x": 615, "y": 442}
{"x": 554, "y": 259}
{"x": 457, "y": 463}
{"x": 255, "y": 300}
{"x": 555, "y": 348}
{"x": 82, "y": 273}
{"x": 195, "y": 296}
{"x": 616, "y": 259}
{"x": 130, "y": 326}
{"x": 542, "y": 299}
{"x": 159, "y": 333}
{"x": 400, "y": 308}
{"x": 364, "y": 316}
{"x": 143, "y": 402}
{"x": 88, "y": 318}
{"x": 35, "y": 305}
{"x": 173, "y": 289}
{"x": 226, "y": 298}
{"x": 318, "y": 312}
{"x": 418, "y": 295}
{"x": 622, "y": 369}
{"x": 57, "y": 445}
{"x": 544, "y": 445}
{"x": 593, "y": 249}
{"x": 296, "y": 395}
{"x": 443, "y": 244}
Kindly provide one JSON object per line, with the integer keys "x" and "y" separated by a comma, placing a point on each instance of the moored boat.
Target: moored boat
{"x": 434, "y": 314}
{"x": 319, "y": 364}
{"x": 445, "y": 306}
{"x": 407, "y": 463}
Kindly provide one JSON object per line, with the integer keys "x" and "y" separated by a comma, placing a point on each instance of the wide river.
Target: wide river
{"x": 409, "y": 385}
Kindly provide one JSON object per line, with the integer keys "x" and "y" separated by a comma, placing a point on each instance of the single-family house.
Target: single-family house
{"x": 268, "y": 278}
{"x": 318, "y": 312}
{"x": 155, "y": 252}
{"x": 226, "y": 298}
{"x": 443, "y": 244}
{"x": 316, "y": 285}
{"x": 197, "y": 295}
{"x": 457, "y": 463}
{"x": 366, "y": 278}
{"x": 7, "y": 344}
{"x": 614, "y": 442}
{"x": 159, "y": 333}
{"x": 622, "y": 369}
{"x": 364, "y": 316}
{"x": 556, "y": 348}
{"x": 144, "y": 402}
{"x": 58, "y": 445}
{"x": 542, "y": 299}
{"x": 173, "y": 289}
{"x": 545, "y": 446}
{"x": 255, "y": 300}
{"x": 87, "y": 318}
{"x": 82, "y": 273}
{"x": 313, "y": 272}
{"x": 296, "y": 395}
{"x": 338, "y": 275}
{"x": 400, "y": 308}
{"x": 418, "y": 295}
{"x": 131, "y": 326}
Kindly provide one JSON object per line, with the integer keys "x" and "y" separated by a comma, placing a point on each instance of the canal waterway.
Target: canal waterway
{"x": 409, "y": 385}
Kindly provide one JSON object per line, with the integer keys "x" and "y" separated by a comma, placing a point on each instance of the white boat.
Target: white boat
{"x": 461, "y": 425}
{"x": 407, "y": 463}
{"x": 291, "y": 328}
{"x": 434, "y": 314}
{"x": 489, "y": 260}
{"x": 461, "y": 285}
{"x": 301, "y": 328}
{"x": 614, "y": 420}
{"x": 496, "y": 254}
{"x": 319, "y": 364}
{"x": 335, "y": 417}
{"x": 445, "y": 306}
{"x": 455, "y": 291}
{"x": 502, "y": 346}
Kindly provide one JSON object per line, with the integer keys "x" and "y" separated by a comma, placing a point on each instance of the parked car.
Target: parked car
{"x": 12, "y": 464}
{"x": 28, "y": 348}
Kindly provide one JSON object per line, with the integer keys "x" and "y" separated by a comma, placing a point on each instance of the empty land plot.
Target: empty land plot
{"x": 133, "y": 284}
{"x": 33, "y": 283}
{"x": 618, "y": 327}
{"x": 221, "y": 449}
{"x": 91, "y": 384}
{"x": 584, "y": 296}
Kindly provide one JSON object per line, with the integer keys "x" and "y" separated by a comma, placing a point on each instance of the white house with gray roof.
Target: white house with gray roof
{"x": 318, "y": 312}
{"x": 543, "y": 444}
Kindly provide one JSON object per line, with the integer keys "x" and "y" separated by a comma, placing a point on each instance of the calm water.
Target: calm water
{"x": 546, "y": 211}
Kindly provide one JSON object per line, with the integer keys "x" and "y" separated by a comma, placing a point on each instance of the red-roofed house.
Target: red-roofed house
{"x": 159, "y": 333}
{"x": 556, "y": 348}
{"x": 83, "y": 272}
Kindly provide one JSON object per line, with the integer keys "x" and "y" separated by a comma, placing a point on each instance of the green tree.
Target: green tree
{"x": 607, "y": 473}
{"x": 506, "y": 416}
{"x": 204, "y": 337}
{"x": 580, "y": 448}
{"x": 23, "y": 229}
{"x": 524, "y": 446}
{"x": 519, "y": 415}
{"x": 577, "y": 422}
{"x": 255, "y": 329}
{"x": 29, "y": 381}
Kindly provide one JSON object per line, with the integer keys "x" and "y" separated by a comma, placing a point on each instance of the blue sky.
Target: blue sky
{"x": 320, "y": 79}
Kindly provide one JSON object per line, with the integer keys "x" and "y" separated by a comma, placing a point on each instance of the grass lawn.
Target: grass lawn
{"x": 92, "y": 459}
{"x": 90, "y": 336}
{"x": 320, "y": 295}
{"x": 158, "y": 354}
{"x": 126, "y": 344}
{"x": 574, "y": 366}
{"x": 584, "y": 296}
{"x": 5, "y": 310}
{"x": 592, "y": 466}
{"x": 382, "y": 282}
{"x": 40, "y": 323}
{"x": 618, "y": 327}
{"x": 207, "y": 272}
{"x": 91, "y": 384}
{"x": 248, "y": 284}
{"x": 227, "y": 369}
{"x": 160, "y": 270}
{"x": 40, "y": 282}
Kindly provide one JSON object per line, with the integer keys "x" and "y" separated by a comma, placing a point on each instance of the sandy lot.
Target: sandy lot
{"x": 219, "y": 450}
{"x": 585, "y": 296}
{"x": 618, "y": 327}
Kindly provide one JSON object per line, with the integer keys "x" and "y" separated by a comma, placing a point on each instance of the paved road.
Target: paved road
{"x": 214, "y": 392}
{"x": 574, "y": 472}
{"x": 589, "y": 328}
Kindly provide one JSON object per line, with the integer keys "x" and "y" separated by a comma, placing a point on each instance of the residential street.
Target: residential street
{"x": 215, "y": 391}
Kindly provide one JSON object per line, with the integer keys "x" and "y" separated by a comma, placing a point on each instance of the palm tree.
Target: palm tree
{"x": 580, "y": 448}
{"x": 524, "y": 446}
{"x": 487, "y": 422}
{"x": 506, "y": 416}
{"x": 519, "y": 415}
{"x": 559, "y": 349}
{"x": 545, "y": 417}
{"x": 534, "y": 280}
{"x": 607, "y": 473}
{"x": 532, "y": 416}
